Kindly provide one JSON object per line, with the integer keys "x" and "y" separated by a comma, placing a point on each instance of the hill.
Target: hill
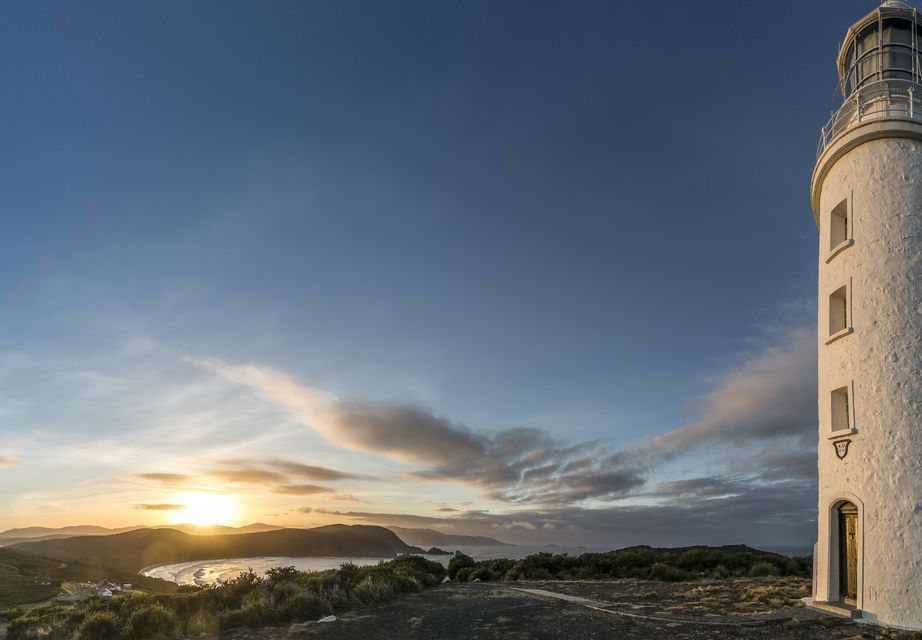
{"x": 432, "y": 538}
{"x": 26, "y": 578}
{"x": 12, "y": 536}
{"x": 134, "y": 550}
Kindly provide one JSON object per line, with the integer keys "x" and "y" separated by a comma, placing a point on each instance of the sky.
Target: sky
{"x": 537, "y": 270}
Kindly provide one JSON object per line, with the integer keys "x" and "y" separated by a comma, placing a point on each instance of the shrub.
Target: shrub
{"x": 514, "y": 573}
{"x": 189, "y": 588}
{"x": 153, "y": 622}
{"x": 348, "y": 576}
{"x": 100, "y": 625}
{"x": 257, "y": 613}
{"x": 483, "y": 574}
{"x": 22, "y": 629}
{"x": 338, "y": 599}
{"x": 792, "y": 567}
{"x": 371, "y": 590}
{"x": 282, "y": 592}
{"x": 458, "y": 562}
{"x": 203, "y": 623}
{"x": 276, "y": 575}
{"x": 666, "y": 573}
{"x": 305, "y": 605}
{"x": 763, "y": 569}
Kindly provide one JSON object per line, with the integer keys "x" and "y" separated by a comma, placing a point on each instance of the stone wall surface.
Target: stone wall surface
{"x": 882, "y": 362}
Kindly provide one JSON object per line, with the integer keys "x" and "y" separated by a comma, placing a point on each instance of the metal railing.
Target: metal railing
{"x": 874, "y": 101}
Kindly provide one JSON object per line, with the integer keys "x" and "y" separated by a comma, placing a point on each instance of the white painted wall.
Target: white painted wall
{"x": 882, "y": 363}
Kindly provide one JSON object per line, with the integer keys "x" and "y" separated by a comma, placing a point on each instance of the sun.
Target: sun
{"x": 205, "y": 509}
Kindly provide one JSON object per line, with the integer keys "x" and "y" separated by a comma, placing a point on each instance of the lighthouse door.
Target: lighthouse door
{"x": 848, "y": 551}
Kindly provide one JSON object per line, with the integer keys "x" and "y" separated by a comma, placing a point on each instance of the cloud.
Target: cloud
{"x": 160, "y": 507}
{"x": 699, "y": 487}
{"x": 278, "y": 475}
{"x": 247, "y": 476}
{"x": 7, "y": 462}
{"x": 301, "y": 489}
{"x": 771, "y": 395}
{"x": 345, "y": 497}
{"x": 516, "y": 465}
{"x": 408, "y": 434}
{"x": 166, "y": 478}
{"x": 784, "y": 464}
{"x": 313, "y": 472}
{"x": 768, "y": 400}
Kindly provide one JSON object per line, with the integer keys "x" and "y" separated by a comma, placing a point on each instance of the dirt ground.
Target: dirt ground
{"x": 740, "y": 609}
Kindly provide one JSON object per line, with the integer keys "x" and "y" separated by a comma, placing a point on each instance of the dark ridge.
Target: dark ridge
{"x": 432, "y": 538}
{"x": 134, "y": 550}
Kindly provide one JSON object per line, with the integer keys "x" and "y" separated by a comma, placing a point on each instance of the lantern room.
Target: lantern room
{"x": 884, "y": 45}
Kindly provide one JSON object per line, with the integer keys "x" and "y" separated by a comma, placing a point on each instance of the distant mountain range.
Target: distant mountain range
{"x": 49, "y": 533}
{"x": 431, "y": 538}
{"x": 419, "y": 537}
{"x": 134, "y": 550}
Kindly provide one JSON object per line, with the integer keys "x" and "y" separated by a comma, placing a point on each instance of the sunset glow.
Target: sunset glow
{"x": 206, "y": 509}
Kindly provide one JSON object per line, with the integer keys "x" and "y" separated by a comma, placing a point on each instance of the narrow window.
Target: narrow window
{"x": 838, "y": 311}
{"x": 838, "y": 226}
{"x": 841, "y": 413}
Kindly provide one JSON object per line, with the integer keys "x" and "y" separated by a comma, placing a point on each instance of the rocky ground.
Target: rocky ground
{"x": 739, "y": 609}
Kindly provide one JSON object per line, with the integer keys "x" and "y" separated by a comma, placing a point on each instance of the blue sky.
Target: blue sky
{"x": 585, "y": 220}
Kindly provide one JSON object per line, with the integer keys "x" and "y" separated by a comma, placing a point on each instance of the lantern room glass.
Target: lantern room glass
{"x": 883, "y": 50}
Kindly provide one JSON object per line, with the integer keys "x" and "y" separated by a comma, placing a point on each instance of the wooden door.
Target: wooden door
{"x": 848, "y": 551}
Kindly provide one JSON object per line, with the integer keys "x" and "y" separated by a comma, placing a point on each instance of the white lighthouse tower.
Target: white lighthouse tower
{"x": 866, "y": 194}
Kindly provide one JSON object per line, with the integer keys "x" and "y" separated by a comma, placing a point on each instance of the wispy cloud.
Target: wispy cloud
{"x": 160, "y": 507}
{"x": 771, "y": 395}
{"x": 7, "y": 462}
{"x": 166, "y": 478}
{"x": 277, "y": 475}
{"x": 301, "y": 489}
{"x": 300, "y": 470}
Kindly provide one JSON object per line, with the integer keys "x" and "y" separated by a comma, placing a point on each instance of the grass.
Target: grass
{"x": 26, "y": 578}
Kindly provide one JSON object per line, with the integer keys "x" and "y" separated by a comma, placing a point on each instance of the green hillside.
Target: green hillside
{"x": 26, "y": 578}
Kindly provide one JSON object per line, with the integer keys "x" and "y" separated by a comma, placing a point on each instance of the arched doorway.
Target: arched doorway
{"x": 848, "y": 552}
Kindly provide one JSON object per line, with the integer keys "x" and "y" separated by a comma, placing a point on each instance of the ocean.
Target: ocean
{"x": 207, "y": 572}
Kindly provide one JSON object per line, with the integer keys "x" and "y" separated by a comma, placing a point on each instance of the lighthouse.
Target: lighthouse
{"x": 866, "y": 196}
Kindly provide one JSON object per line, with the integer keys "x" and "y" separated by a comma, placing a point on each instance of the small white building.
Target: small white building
{"x": 106, "y": 589}
{"x": 866, "y": 195}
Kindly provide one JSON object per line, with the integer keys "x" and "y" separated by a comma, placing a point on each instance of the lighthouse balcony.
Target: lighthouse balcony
{"x": 890, "y": 99}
